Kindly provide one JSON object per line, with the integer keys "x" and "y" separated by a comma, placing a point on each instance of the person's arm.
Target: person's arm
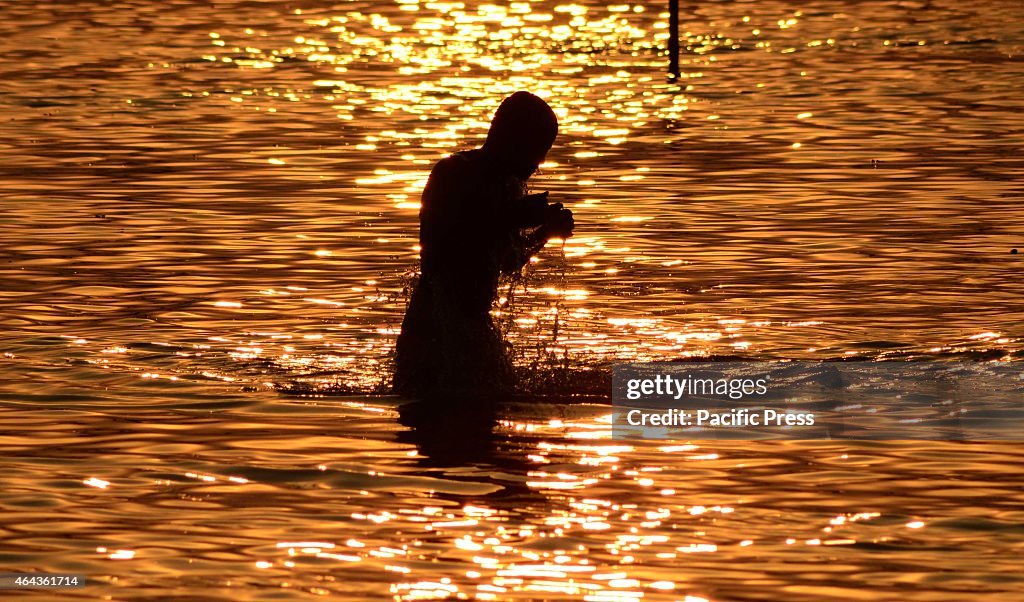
{"x": 529, "y": 211}
{"x": 525, "y": 246}
{"x": 558, "y": 223}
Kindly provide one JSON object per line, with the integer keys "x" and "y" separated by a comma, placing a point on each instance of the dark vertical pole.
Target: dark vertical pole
{"x": 673, "y": 38}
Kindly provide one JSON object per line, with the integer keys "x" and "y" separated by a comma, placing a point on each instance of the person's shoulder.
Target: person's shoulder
{"x": 451, "y": 179}
{"x": 456, "y": 164}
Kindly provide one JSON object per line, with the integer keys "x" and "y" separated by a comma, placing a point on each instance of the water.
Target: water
{"x": 208, "y": 203}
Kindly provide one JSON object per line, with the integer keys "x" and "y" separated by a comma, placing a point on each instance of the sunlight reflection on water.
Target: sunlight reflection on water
{"x": 262, "y": 495}
{"x": 262, "y": 207}
{"x": 206, "y": 203}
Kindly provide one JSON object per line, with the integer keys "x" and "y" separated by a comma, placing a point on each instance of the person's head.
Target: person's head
{"x": 522, "y": 131}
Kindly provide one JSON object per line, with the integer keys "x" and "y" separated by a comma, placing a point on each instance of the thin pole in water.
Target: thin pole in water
{"x": 673, "y": 38}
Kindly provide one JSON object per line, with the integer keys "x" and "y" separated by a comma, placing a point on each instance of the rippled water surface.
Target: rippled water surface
{"x": 208, "y": 206}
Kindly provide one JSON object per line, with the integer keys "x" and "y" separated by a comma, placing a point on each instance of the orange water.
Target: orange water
{"x": 207, "y": 202}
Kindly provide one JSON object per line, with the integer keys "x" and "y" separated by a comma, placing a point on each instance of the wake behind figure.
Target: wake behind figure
{"x": 477, "y": 222}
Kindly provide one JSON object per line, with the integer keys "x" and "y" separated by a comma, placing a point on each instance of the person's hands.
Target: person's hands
{"x": 559, "y": 222}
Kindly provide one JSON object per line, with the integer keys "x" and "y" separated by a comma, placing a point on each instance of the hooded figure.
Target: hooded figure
{"x": 476, "y": 223}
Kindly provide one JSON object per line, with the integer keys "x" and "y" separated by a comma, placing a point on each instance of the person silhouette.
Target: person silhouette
{"x": 477, "y": 222}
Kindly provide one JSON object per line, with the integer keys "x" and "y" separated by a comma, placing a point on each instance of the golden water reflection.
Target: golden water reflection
{"x": 207, "y": 204}
{"x": 245, "y": 198}
{"x": 260, "y": 498}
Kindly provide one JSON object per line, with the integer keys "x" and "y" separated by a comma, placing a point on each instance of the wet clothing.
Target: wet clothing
{"x": 476, "y": 224}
